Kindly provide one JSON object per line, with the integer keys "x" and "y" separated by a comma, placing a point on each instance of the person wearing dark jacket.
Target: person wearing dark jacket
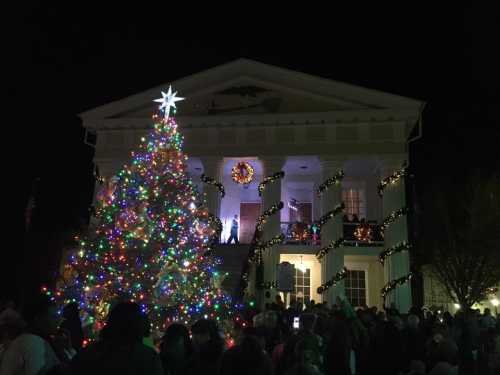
{"x": 208, "y": 348}
{"x": 73, "y": 325}
{"x": 176, "y": 349}
{"x": 247, "y": 358}
{"x": 120, "y": 350}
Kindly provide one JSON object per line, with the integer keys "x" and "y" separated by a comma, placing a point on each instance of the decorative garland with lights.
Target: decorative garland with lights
{"x": 392, "y": 218}
{"x": 392, "y": 179}
{"x": 402, "y": 246}
{"x": 211, "y": 181}
{"x": 242, "y": 173}
{"x": 332, "y": 245}
{"x": 335, "y": 179}
{"x": 324, "y": 219}
{"x": 391, "y": 285}
{"x": 276, "y": 240}
{"x": 268, "y": 179}
{"x": 270, "y": 211}
{"x": 253, "y": 257}
{"x": 268, "y": 285}
{"x": 342, "y": 274}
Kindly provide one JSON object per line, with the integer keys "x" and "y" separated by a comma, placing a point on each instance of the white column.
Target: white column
{"x": 212, "y": 167}
{"x": 316, "y": 201}
{"x": 397, "y": 265}
{"x": 333, "y": 262}
{"x": 272, "y": 227}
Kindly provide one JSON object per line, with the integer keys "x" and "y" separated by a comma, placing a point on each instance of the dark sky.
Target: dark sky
{"x": 63, "y": 59}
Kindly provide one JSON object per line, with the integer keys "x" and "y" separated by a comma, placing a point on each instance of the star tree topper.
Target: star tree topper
{"x": 168, "y": 100}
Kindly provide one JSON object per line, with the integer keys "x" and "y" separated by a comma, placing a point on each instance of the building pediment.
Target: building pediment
{"x": 248, "y": 88}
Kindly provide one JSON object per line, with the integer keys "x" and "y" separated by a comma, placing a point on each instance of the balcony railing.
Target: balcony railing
{"x": 299, "y": 233}
{"x": 352, "y": 238}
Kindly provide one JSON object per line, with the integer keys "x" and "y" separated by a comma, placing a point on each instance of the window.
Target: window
{"x": 302, "y": 285}
{"x": 355, "y": 288}
{"x": 354, "y": 202}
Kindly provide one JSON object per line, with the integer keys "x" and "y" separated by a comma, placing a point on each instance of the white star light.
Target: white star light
{"x": 168, "y": 100}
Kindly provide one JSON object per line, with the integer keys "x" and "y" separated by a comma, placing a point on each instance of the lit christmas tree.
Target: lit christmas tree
{"x": 153, "y": 239}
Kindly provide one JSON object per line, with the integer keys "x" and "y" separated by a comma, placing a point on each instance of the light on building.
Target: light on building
{"x": 301, "y": 267}
{"x": 456, "y": 305}
{"x": 495, "y": 302}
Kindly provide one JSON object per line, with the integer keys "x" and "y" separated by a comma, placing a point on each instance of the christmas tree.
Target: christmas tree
{"x": 153, "y": 239}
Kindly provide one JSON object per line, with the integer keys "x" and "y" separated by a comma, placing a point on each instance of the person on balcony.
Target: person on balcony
{"x": 234, "y": 231}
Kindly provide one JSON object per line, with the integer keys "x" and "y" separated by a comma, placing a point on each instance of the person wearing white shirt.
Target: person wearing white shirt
{"x": 30, "y": 353}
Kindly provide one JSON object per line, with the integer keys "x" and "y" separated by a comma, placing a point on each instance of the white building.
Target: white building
{"x": 309, "y": 127}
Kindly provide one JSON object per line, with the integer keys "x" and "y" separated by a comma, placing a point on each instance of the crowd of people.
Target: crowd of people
{"x": 312, "y": 339}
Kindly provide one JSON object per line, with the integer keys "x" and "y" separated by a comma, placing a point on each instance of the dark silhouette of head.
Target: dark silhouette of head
{"x": 307, "y": 322}
{"x": 176, "y": 340}
{"x": 126, "y": 324}
{"x": 70, "y": 311}
{"x": 41, "y": 316}
{"x": 204, "y": 331}
{"x": 245, "y": 358}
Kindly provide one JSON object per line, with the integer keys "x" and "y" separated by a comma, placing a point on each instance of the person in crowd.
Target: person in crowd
{"x": 280, "y": 305}
{"x": 34, "y": 351}
{"x": 208, "y": 347}
{"x": 446, "y": 356}
{"x": 338, "y": 350}
{"x": 176, "y": 349}
{"x": 73, "y": 325}
{"x": 415, "y": 340}
{"x": 487, "y": 321}
{"x": 120, "y": 350}
{"x": 247, "y": 358}
{"x": 11, "y": 326}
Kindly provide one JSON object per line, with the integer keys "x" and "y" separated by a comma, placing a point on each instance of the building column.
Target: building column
{"x": 397, "y": 265}
{"x": 316, "y": 209}
{"x": 333, "y": 262}
{"x": 212, "y": 167}
{"x": 272, "y": 227}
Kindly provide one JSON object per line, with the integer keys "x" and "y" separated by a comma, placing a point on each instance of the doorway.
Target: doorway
{"x": 249, "y": 213}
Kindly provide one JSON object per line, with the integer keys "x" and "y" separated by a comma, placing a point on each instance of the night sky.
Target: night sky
{"x": 62, "y": 60}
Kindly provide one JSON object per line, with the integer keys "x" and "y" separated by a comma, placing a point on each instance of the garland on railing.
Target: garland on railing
{"x": 391, "y": 285}
{"x": 212, "y": 181}
{"x": 268, "y": 179}
{"x": 268, "y": 285}
{"x": 342, "y": 274}
{"x": 392, "y": 218}
{"x": 270, "y": 211}
{"x": 324, "y": 219}
{"x": 402, "y": 246}
{"x": 332, "y": 245}
{"x": 335, "y": 179}
{"x": 276, "y": 240}
{"x": 392, "y": 179}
